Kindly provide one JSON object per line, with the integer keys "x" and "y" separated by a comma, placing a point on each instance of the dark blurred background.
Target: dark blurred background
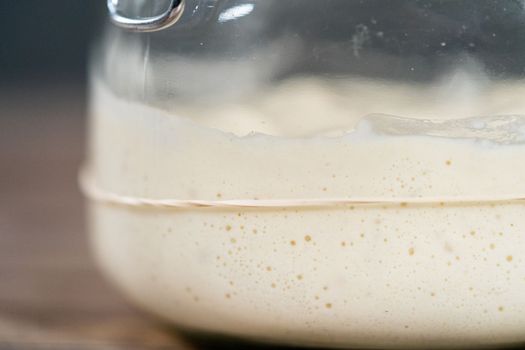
{"x": 47, "y": 40}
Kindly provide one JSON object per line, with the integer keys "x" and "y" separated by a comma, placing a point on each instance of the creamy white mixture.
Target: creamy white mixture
{"x": 395, "y": 275}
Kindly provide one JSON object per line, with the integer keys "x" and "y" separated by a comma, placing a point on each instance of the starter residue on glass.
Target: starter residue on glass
{"x": 431, "y": 274}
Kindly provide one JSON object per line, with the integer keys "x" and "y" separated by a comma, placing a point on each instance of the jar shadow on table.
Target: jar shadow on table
{"x": 222, "y": 342}
{"x": 205, "y": 340}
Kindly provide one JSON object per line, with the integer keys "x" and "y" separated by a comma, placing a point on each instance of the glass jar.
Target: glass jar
{"x": 323, "y": 173}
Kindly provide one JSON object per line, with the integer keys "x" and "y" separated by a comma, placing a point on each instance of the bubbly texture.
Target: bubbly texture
{"x": 397, "y": 275}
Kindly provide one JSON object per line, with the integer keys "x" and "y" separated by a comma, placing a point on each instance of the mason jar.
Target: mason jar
{"x": 335, "y": 173}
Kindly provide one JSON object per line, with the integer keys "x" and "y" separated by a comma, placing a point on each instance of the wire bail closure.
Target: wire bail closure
{"x": 146, "y": 24}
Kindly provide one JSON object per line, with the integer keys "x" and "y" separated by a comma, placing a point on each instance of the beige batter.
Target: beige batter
{"x": 396, "y": 275}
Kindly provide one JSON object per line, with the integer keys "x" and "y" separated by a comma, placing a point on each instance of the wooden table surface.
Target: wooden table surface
{"x": 51, "y": 294}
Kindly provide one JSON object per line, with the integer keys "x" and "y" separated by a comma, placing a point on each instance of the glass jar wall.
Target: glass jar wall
{"x": 399, "y": 123}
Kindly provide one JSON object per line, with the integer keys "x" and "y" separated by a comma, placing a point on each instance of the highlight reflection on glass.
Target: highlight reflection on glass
{"x": 236, "y": 12}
